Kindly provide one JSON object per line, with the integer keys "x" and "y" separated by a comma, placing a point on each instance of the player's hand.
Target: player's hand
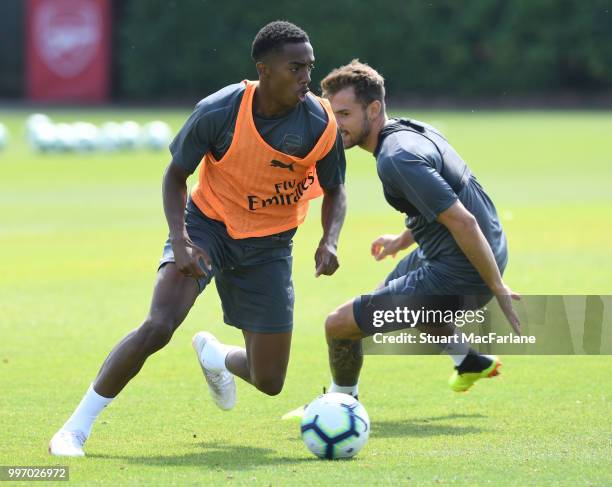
{"x": 504, "y": 297}
{"x": 191, "y": 260}
{"x": 386, "y": 245}
{"x": 326, "y": 260}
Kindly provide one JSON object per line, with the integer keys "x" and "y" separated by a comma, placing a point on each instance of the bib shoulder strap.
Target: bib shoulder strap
{"x": 328, "y": 138}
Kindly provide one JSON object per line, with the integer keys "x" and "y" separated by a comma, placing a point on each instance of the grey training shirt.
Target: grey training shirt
{"x": 409, "y": 168}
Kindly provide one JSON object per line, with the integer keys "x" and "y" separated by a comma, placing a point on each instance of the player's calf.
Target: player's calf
{"x": 267, "y": 357}
{"x": 155, "y": 333}
{"x": 344, "y": 349}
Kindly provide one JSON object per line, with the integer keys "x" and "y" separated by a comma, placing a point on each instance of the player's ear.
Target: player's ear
{"x": 262, "y": 69}
{"x": 374, "y": 109}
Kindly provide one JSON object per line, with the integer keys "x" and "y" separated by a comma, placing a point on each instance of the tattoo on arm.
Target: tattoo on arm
{"x": 345, "y": 361}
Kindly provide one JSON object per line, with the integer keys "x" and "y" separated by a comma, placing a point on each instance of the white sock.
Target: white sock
{"x": 352, "y": 390}
{"x": 457, "y": 359}
{"x": 214, "y": 354}
{"x": 86, "y": 412}
{"x": 457, "y": 351}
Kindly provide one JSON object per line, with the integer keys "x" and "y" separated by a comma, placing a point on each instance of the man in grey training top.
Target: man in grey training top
{"x": 462, "y": 247}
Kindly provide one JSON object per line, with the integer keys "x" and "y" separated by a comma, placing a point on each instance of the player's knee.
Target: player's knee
{"x": 333, "y": 325}
{"x": 270, "y": 385}
{"x": 156, "y": 333}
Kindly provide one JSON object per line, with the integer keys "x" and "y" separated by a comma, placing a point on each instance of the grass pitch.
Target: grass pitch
{"x": 81, "y": 235}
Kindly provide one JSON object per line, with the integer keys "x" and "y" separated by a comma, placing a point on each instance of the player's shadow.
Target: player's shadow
{"x": 214, "y": 455}
{"x": 422, "y": 427}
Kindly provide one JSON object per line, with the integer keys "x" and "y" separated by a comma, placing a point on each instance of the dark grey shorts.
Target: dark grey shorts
{"x": 252, "y": 275}
{"x": 412, "y": 276}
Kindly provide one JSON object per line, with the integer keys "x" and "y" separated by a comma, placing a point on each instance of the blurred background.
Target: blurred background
{"x": 92, "y": 92}
{"x": 508, "y": 52}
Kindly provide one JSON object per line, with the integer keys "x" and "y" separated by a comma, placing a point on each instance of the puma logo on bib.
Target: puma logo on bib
{"x": 282, "y": 165}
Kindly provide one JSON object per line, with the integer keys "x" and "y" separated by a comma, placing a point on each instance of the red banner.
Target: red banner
{"x": 68, "y": 50}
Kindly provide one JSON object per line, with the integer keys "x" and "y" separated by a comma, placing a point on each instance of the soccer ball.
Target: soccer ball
{"x": 109, "y": 136}
{"x": 86, "y": 136}
{"x": 130, "y": 135}
{"x": 3, "y": 136}
{"x": 43, "y": 137}
{"x": 41, "y": 132}
{"x": 66, "y": 138}
{"x": 335, "y": 425}
{"x": 33, "y": 123}
{"x": 156, "y": 135}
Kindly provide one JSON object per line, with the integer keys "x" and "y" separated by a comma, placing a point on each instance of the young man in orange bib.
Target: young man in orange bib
{"x": 263, "y": 150}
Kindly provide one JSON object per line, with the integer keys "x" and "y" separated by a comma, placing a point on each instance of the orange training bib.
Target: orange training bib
{"x": 255, "y": 189}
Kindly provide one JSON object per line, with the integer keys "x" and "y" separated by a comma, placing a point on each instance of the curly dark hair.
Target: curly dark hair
{"x": 273, "y": 36}
{"x": 369, "y": 85}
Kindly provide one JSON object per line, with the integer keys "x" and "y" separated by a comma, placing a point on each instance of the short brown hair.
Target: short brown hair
{"x": 368, "y": 84}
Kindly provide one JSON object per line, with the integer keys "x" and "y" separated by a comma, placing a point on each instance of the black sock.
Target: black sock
{"x": 473, "y": 362}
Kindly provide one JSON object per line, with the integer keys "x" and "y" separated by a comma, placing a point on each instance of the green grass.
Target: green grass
{"x": 80, "y": 236}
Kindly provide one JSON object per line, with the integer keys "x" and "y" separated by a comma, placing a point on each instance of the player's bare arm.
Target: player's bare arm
{"x": 465, "y": 230}
{"x": 189, "y": 257}
{"x": 391, "y": 244}
{"x": 333, "y": 211}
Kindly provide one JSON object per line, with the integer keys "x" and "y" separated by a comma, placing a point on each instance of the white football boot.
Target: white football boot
{"x": 67, "y": 444}
{"x": 221, "y": 383}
